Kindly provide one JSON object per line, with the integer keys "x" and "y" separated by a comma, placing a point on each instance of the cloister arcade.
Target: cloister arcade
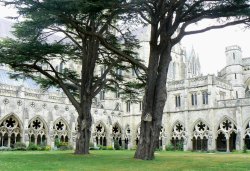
{"x": 226, "y": 138}
{"x": 12, "y": 131}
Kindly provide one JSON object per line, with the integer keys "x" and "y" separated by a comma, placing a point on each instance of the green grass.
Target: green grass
{"x": 121, "y": 161}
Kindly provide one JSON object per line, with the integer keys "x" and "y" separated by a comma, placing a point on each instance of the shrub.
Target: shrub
{"x": 169, "y": 147}
{"x": 20, "y": 146}
{"x": 32, "y": 147}
{"x": 109, "y": 148}
{"x": 3, "y": 148}
{"x": 179, "y": 146}
{"x": 244, "y": 149}
{"x": 116, "y": 145}
{"x": 47, "y": 148}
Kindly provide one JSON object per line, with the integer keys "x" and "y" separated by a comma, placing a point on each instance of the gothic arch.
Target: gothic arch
{"x": 226, "y": 134}
{"x": 201, "y": 134}
{"x": 119, "y": 125}
{"x": 38, "y": 130}
{"x": 221, "y": 130}
{"x": 15, "y": 116}
{"x": 117, "y": 133}
{"x": 200, "y": 120}
{"x": 100, "y": 134}
{"x": 175, "y": 122}
{"x": 10, "y": 130}
{"x": 61, "y": 130}
{"x": 178, "y": 135}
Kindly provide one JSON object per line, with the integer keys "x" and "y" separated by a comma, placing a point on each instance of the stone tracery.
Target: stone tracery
{"x": 178, "y": 135}
{"x": 10, "y": 131}
{"x": 226, "y": 136}
{"x": 99, "y": 135}
{"x": 37, "y": 131}
{"x": 61, "y": 130}
{"x": 200, "y": 136}
{"x": 117, "y": 134}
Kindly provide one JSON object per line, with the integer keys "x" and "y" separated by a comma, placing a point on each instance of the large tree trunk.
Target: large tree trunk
{"x": 84, "y": 129}
{"x": 154, "y": 102}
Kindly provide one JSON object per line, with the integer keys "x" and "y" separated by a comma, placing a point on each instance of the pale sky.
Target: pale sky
{"x": 210, "y": 46}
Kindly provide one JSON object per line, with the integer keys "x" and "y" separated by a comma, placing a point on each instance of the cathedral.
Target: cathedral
{"x": 202, "y": 113}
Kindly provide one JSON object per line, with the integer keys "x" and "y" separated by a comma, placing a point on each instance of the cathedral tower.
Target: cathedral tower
{"x": 235, "y": 69}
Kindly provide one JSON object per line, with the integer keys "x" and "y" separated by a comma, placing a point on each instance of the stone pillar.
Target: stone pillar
{"x": 26, "y": 132}
{"x": 228, "y": 150}
{"x": 239, "y": 125}
{"x": 8, "y": 140}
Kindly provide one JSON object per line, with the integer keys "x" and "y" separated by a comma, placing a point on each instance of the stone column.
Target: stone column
{"x": 228, "y": 150}
{"x": 8, "y": 140}
{"x": 239, "y": 122}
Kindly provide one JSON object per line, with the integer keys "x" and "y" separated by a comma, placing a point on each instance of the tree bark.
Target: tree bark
{"x": 84, "y": 129}
{"x": 154, "y": 102}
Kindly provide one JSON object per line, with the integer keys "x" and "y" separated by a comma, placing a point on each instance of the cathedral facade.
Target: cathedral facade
{"x": 201, "y": 113}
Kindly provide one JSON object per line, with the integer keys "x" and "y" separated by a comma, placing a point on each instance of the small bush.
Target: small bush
{"x": 110, "y": 148}
{"x": 3, "y": 148}
{"x": 20, "y": 146}
{"x": 179, "y": 146}
{"x": 169, "y": 147}
{"x": 32, "y": 147}
{"x": 116, "y": 145}
{"x": 244, "y": 149}
{"x": 47, "y": 148}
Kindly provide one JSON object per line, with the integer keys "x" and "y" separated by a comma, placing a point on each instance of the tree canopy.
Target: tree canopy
{"x": 72, "y": 44}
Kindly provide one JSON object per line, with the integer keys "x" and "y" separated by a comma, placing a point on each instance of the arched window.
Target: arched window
{"x": 61, "y": 130}
{"x": 37, "y": 131}
{"x": 99, "y": 135}
{"x": 10, "y": 131}
{"x": 200, "y": 136}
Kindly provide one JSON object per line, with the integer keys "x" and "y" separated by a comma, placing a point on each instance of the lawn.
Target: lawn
{"x": 121, "y": 161}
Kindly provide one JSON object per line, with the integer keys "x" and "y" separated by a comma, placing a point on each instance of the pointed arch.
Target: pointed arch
{"x": 62, "y": 119}
{"x": 11, "y": 129}
{"x": 100, "y": 133}
{"x": 201, "y": 134}
{"x": 200, "y": 120}
{"x": 225, "y": 117}
{"x": 226, "y": 134}
{"x": 119, "y": 125}
{"x": 176, "y": 122}
{"x": 61, "y": 130}
{"x": 38, "y": 130}
{"x": 15, "y": 116}
{"x": 42, "y": 119}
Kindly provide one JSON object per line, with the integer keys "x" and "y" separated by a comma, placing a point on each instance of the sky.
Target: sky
{"x": 210, "y": 46}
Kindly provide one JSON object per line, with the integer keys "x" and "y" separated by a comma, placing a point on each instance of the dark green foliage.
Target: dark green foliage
{"x": 20, "y": 146}
{"x": 117, "y": 145}
{"x": 33, "y": 147}
{"x": 170, "y": 147}
{"x": 244, "y": 149}
{"x": 90, "y": 35}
